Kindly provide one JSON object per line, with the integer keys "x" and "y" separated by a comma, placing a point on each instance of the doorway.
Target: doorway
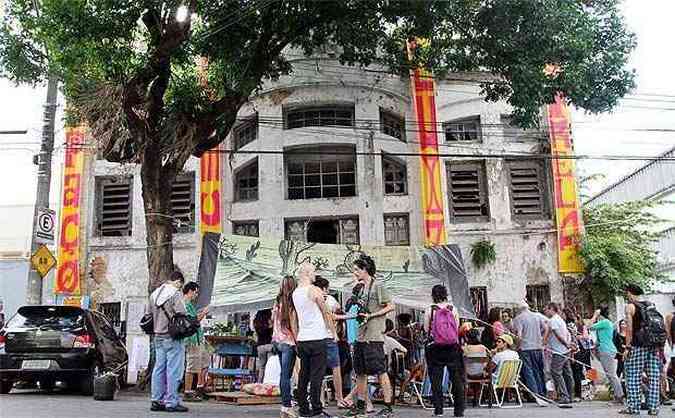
{"x": 322, "y": 232}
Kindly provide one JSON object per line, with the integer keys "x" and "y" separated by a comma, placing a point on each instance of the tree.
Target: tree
{"x": 617, "y": 248}
{"x": 130, "y": 67}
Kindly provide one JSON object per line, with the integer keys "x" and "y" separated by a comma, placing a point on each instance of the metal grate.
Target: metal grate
{"x": 246, "y": 182}
{"x": 114, "y": 206}
{"x": 463, "y": 130}
{"x": 392, "y": 125}
{"x": 538, "y": 296}
{"x": 320, "y": 116}
{"x": 246, "y": 132}
{"x": 249, "y": 228}
{"x": 468, "y": 192}
{"x": 183, "y": 203}
{"x": 112, "y": 311}
{"x": 479, "y": 301}
{"x": 527, "y": 190}
{"x": 396, "y": 230}
{"x": 395, "y": 177}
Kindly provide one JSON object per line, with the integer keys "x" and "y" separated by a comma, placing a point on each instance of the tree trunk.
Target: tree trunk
{"x": 157, "y": 182}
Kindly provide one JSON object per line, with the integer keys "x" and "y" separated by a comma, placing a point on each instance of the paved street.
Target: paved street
{"x": 56, "y": 405}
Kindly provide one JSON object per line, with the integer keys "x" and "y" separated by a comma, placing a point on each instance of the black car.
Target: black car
{"x": 47, "y": 344}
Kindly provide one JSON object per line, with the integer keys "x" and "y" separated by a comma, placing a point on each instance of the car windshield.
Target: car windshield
{"x": 57, "y": 318}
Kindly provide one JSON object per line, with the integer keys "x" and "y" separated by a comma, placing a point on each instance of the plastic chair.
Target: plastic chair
{"x": 506, "y": 379}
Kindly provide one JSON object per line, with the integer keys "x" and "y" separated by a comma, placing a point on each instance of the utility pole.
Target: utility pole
{"x": 44, "y": 178}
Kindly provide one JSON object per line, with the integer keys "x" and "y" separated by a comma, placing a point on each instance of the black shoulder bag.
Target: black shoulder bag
{"x": 181, "y": 325}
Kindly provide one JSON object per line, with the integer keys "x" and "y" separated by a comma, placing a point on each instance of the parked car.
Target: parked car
{"x": 47, "y": 344}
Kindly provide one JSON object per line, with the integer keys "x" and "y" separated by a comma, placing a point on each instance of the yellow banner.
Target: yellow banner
{"x": 424, "y": 101}
{"x": 566, "y": 197}
{"x": 210, "y": 192}
{"x": 68, "y": 267}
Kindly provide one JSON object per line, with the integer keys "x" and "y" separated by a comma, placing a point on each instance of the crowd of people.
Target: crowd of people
{"x": 357, "y": 341}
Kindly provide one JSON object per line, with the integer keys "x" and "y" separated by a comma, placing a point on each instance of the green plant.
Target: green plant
{"x": 483, "y": 253}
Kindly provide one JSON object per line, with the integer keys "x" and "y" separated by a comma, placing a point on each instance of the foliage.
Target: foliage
{"x": 617, "y": 248}
{"x": 483, "y": 253}
{"x": 155, "y": 90}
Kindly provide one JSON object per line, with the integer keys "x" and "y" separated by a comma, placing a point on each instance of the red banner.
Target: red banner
{"x": 566, "y": 197}
{"x": 68, "y": 267}
{"x": 424, "y": 102}
{"x": 210, "y": 192}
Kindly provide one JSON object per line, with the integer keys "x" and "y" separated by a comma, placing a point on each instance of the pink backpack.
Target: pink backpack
{"x": 443, "y": 326}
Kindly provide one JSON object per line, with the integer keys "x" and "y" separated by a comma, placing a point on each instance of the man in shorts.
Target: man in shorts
{"x": 375, "y": 303}
{"x": 332, "y": 350}
{"x": 198, "y": 358}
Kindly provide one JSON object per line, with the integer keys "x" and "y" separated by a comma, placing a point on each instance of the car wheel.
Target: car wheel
{"x": 87, "y": 384}
{"x": 5, "y": 386}
{"x": 47, "y": 384}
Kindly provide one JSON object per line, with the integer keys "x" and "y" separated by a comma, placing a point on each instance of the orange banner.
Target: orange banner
{"x": 566, "y": 197}
{"x": 210, "y": 192}
{"x": 68, "y": 267}
{"x": 424, "y": 102}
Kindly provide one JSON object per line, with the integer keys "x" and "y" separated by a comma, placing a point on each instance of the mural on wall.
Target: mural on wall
{"x": 100, "y": 287}
{"x": 248, "y": 271}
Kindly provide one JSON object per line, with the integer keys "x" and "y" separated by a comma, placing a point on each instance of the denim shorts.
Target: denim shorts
{"x": 332, "y": 354}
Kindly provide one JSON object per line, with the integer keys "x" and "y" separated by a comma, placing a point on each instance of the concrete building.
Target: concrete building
{"x": 331, "y": 188}
{"x": 654, "y": 181}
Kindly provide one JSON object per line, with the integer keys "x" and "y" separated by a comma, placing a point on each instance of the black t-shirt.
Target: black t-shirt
{"x": 637, "y": 324}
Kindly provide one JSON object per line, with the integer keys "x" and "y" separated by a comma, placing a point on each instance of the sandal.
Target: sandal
{"x": 343, "y": 404}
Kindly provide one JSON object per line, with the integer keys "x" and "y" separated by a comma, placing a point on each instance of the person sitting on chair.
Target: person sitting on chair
{"x": 503, "y": 353}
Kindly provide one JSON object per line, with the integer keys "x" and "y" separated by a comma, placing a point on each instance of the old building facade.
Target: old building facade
{"x": 327, "y": 155}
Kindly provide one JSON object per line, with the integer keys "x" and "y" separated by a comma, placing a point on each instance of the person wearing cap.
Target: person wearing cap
{"x": 503, "y": 352}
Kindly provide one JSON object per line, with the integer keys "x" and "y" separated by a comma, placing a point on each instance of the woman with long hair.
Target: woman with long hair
{"x": 496, "y": 328}
{"x": 284, "y": 337}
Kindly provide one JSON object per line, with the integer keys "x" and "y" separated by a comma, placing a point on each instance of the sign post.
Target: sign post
{"x": 44, "y": 226}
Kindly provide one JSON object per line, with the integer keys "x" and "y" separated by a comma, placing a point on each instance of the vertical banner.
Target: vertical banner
{"x": 68, "y": 267}
{"x": 568, "y": 213}
{"x": 424, "y": 103}
{"x": 210, "y": 192}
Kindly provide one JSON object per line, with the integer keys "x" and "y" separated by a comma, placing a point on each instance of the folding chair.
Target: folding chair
{"x": 478, "y": 381}
{"x": 506, "y": 379}
{"x": 418, "y": 387}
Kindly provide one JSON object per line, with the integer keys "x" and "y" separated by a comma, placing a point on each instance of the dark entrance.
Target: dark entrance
{"x": 323, "y": 232}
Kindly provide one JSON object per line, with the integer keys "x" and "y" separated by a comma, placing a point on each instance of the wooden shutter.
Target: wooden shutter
{"x": 183, "y": 203}
{"x": 527, "y": 190}
{"x": 468, "y": 192}
{"x": 396, "y": 230}
{"x": 114, "y": 206}
{"x": 349, "y": 231}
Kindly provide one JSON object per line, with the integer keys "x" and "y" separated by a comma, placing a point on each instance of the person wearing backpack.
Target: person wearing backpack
{"x": 645, "y": 337}
{"x": 166, "y": 301}
{"x": 441, "y": 322}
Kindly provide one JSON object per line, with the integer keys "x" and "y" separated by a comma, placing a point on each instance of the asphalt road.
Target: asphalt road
{"x": 33, "y": 404}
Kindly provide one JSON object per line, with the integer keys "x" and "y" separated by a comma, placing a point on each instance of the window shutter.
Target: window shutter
{"x": 114, "y": 207}
{"x": 468, "y": 196}
{"x": 396, "y": 230}
{"x": 183, "y": 203}
{"x": 249, "y": 229}
{"x": 527, "y": 190}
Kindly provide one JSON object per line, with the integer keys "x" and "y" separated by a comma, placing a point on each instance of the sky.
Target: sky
{"x": 21, "y": 108}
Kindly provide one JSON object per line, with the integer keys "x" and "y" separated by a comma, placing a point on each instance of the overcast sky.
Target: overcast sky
{"x": 652, "y": 20}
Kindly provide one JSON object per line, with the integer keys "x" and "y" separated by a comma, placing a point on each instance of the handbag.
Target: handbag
{"x": 147, "y": 323}
{"x": 181, "y": 325}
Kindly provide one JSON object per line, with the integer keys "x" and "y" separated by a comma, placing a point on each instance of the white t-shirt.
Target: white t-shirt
{"x": 557, "y": 324}
{"x": 499, "y": 359}
{"x": 311, "y": 326}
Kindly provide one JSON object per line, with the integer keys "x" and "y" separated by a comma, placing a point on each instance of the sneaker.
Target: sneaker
{"x": 385, "y": 412}
{"x": 653, "y": 412}
{"x": 438, "y": 412}
{"x": 177, "y": 408}
{"x": 156, "y": 406}
{"x": 628, "y": 412}
{"x": 287, "y": 412}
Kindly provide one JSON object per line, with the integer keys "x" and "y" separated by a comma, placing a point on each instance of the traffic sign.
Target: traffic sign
{"x": 44, "y": 226}
{"x": 43, "y": 260}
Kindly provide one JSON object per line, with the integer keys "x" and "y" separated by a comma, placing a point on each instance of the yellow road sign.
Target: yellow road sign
{"x": 43, "y": 260}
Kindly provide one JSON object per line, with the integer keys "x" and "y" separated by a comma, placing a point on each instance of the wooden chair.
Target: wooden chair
{"x": 506, "y": 379}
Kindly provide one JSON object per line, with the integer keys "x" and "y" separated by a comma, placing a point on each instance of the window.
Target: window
{"x": 114, "y": 206}
{"x": 183, "y": 203}
{"x": 246, "y": 132}
{"x": 392, "y": 125}
{"x": 112, "y": 312}
{"x": 246, "y": 183}
{"x": 396, "y": 230}
{"x": 538, "y": 296}
{"x": 527, "y": 189}
{"x": 480, "y": 302}
{"x": 468, "y": 192}
{"x": 462, "y": 130}
{"x": 320, "y": 116}
{"x": 324, "y": 231}
{"x": 321, "y": 175}
{"x": 395, "y": 177}
{"x": 248, "y": 228}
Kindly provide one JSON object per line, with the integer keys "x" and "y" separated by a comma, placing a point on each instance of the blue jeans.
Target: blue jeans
{"x": 287, "y": 359}
{"x": 533, "y": 370}
{"x": 168, "y": 371}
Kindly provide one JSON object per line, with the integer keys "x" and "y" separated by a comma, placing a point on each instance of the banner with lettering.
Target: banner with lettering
{"x": 566, "y": 197}
{"x": 68, "y": 266}
{"x": 210, "y": 192}
{"x": 424, "y": 102}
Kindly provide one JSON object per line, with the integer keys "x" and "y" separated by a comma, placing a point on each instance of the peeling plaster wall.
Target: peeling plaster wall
{"x": 526, "y": 251}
